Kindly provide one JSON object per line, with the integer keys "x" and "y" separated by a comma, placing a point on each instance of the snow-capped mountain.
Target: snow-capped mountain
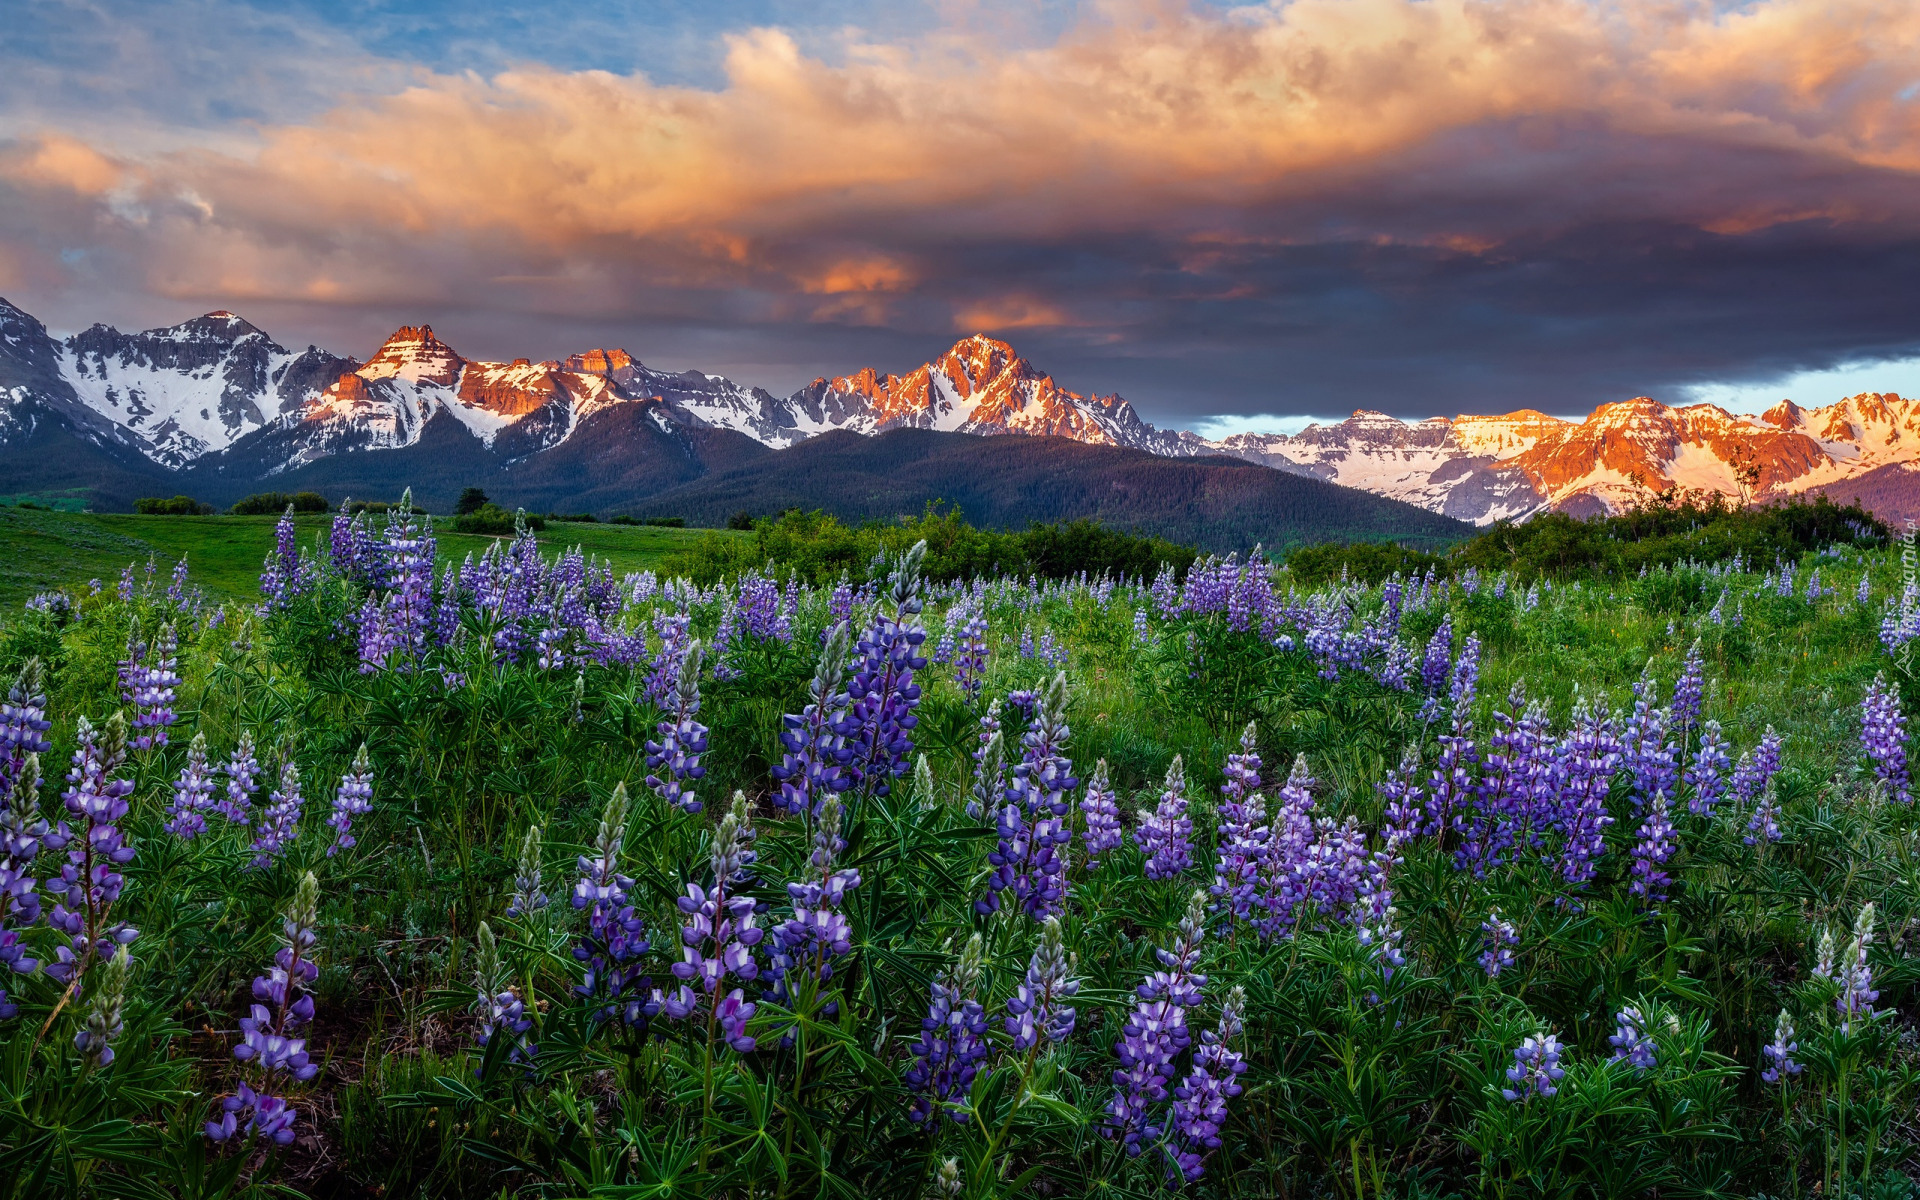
{"x": 1483, "y": 469}
{"x": 218, "y": 393}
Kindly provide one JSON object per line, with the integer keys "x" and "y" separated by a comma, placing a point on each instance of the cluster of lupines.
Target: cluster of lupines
{"x": 285, "y": 576}
{"x": 673, "y": 762}
{"x": 275, "y": 1057}
{"x": 1030, "y": 859}
{"x": 612, "y": 947}
{"x": 1200, "y": 1101}
{"x": 952, "y": 1047}
{"x": 1154, "y": 1035}
{"x": 1852, "y": 975}
{"x": 718, "y": 938}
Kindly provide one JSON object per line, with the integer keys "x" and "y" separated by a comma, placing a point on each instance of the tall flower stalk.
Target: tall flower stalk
{"x": 673, "y": 762}
{"x": 275, "y": 1058}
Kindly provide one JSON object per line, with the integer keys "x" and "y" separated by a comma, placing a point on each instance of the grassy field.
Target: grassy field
{"x": 41, "y": 549}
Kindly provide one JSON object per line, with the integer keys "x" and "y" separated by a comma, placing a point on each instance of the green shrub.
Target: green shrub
{"x": 171, "y": 506}
{"x": 272, "y": 504}
{"x": 490, "y": 518}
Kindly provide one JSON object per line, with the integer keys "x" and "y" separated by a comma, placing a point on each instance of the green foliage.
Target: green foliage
{"x": 1366, "y": 562}
{"x": 490, "y": 518}
{"x": 818, "y": 548}
{"x": 471, "y": 499}
{"x": 174, "y": 506}
{"x": 1667, "y": 531}
{"x": 272, "y": 504}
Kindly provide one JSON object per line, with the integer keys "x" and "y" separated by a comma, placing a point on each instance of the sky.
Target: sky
{"x": 1236, "y": 216}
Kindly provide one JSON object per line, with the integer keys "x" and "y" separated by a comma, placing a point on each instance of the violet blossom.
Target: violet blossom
{"x": 1631, "y": 1040}
{"x": 615, "y": 940}
{"x": 242, "y": 770}
{"x": 1030, "y": 858}
{"x": 1035, "y": 1012}
{"x": 354, "y": 797}
{"x": 683, "y": 739}
{"x": 1536, "y": 1069}
{"x": 818, "y": 932}
{"x": 280, "y": 822}
{"x": 882, "y": 695}
{"x": 1883, "y": 736}
{"x": 809, "y": 771}
{"x": 91, "y": 880}
{"x": 1655, "y": 844}
{"x": 497, "y": 1002}
{"x": 1498, "y": 937}
{"x": 268, "y": 1047}
{"x": 952, "y": 1046}
{"x": 1155, "y": 1033}
{"x": 1780, "y": 1051}
{"x": 1103, "y": 833}
{"x": 192, "y": 793}
{"x": 1165, "y": 830}
{"x": 1200, "y": 1101}
{"x": 718, "y": 938}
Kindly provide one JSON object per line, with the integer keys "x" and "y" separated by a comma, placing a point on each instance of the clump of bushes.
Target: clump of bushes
{"x": 272, "y": 504}
{"x": 490, "y": 518}
{"x": 171, "y": 506}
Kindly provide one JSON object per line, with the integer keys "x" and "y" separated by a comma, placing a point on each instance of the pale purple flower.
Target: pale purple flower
{"x": 268, "y": 1047}
{"x": 1200, "y": 1101}
{"x": 615, "y": 940}
{"x": 1536, "y": 1069}
{"x": 1030, "y": 860}
{"x": 103, "y": 1023}
{"x": 1688, "y": 692}
{"x": 90, "y": 882}
{"x": 818, "y": 932}
{"x": 1165, "y": 831}
{"x": 882, "y": 695}
{"x": 952, "y": 1045}
{"x": 1103, "y": 833}
{"x": 1855, "y": 976}
{"x": 1764, "y": 825}
{"x": 1883, "y": 736}
{"x": 497, "y": 1002}
{"x": 718, "y": 938}
{"x": 1655, "y": 844}
{"x": 192, "y": 793}
{"x": 1036, "y": 1012}
{"x": 1632, "y": 1041}
{"x": 243, "y": 773}
{"x": 354, "y": 797}
{"x": 1155, "y": 1033}
{"x": 673, "y": 762}
{"x": 1780, "y": 1051}
{"x": 1498, "y": 937}
{"x": 1707, "y": 773}
{"x": 280, "y": 821}
{"x": 809, "y": 771}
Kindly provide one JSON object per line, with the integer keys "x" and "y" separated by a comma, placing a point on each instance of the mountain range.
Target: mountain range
{"x": 216, "y": 407}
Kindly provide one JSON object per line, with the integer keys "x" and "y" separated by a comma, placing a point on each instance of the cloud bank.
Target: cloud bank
{"x": 1414, "y": 205}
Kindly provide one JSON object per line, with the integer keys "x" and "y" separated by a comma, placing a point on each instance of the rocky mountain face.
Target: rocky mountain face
{"x": 216, "y": 399}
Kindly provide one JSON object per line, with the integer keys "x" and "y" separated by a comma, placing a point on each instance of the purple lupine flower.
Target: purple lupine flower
{"x": 192, "y": 794}
{"x": 1103, "y": 834}
{"x": 952, "y": 1045}
{"x": 1026, "y": 642}
{"x": 1707, "y": 773}
{"x": 243, "y": 774}
{"x": 1035, "y": 1012}
{"x": 23, "y": 722}
{"x": 1780, "y": 1051}
{"x": 1502, "y": 814}
{"x": 1864, "y": 592}
{"x": 1536, "y": 1069}
{"x": 615, "y": 939}
{"x": 1142, "y": 632}
{"x": 153, "y": 683}
{"x": 1883, "y": 736}
{"x": 1651, "y": 756}
{"x": 1587, "y": 759}
{"x": 1030, "y": 858}
{"x": 1200, "y": 1101}
{"x": 1242, "y": 837}
{"x": 1756, "y": 769}
{"x": 1434, "y": 666}
{"x": 683, "y": 739}
{"x": 21, "y": 832}
{"x": 1655, "y": 845}
{"x": 718, "y": 938}
{"x": 1856, "y": 976}
{"x": 1155, "y": 1033}
{"x": 1376, "y": 929}
{"x": 1764, "y": 825}
{"x": 91, "y": 878}
{"x": 1164, "y": 831}
{"x": 1688, "y": 692}
{"x": 809, "y": 771}
{"x": 354, "y": 797}
{"x": 527, "y": 896}
{"x": 1402, "y": 796}
{"x": 1498, "y": 937}
{"x": 103, "y": 1023}
{"x": 970, "y": 666}
{"x": 394, "y": 623}
{"x": 267, "y": 1047}
{"x": 1632, "y": 1041}
{"x": 280, "y": 822}
{"x": 818, "y": 931}
{"x": 1287, "y": 868}
{"x": 283, "y": 577}
{"x": 497, "y": 1002}
{"x": 990, "y": 768}
{"x": 882, "y": 694}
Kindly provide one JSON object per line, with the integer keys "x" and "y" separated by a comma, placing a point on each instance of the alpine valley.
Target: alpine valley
{"x": 216, "y": 408}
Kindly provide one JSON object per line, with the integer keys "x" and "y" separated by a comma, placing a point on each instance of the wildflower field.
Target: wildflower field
{"x": 528, "y": 876}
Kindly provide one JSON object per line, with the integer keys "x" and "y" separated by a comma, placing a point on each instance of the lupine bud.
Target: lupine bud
{"x": 1780, "y": 1051}
{"x": 527, "y": 896}
{"x": 103, "y": 1023}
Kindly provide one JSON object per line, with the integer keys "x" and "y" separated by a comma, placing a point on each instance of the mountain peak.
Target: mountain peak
{"x": 413, "y": 353}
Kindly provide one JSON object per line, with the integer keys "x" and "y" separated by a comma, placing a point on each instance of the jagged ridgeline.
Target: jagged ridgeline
{"x": 214, "y": 407}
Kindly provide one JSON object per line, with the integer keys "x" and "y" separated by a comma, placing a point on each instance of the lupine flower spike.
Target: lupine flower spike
{"x": 1166, "y": 828}
{"x": 1536, "y": 1069}
{"x": 1780, "y": 1051}
{"x": 192, "y": 794}
{"x": 1035, "y": 1014}
{"x": 1103, "y": 834}
{"x": 498, "y": 1002}
{"x": 953, "y": 1042}
{"x": 1632, "y": 1041}
{"x": 354, "y": 798}
{"x": 275, "y": 1057}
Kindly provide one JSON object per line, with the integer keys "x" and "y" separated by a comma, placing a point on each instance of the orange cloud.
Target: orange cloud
{"x": 1014, "y": 312}
{"x": 1125, "y": 123}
